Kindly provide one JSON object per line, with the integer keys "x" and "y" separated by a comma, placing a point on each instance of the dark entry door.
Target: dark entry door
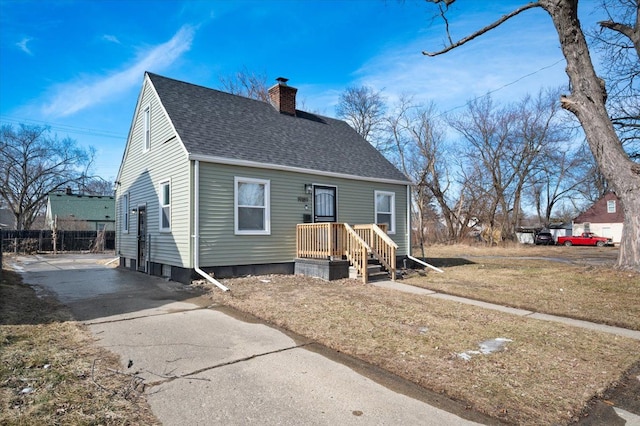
{"x": 324, "y": 204}
{"x": 142, "y": 238}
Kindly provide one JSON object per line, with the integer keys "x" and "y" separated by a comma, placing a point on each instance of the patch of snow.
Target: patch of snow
{"x": 493, "y": 345}
{"x": 487, "y": 347}
{"x": 19, "y": 269}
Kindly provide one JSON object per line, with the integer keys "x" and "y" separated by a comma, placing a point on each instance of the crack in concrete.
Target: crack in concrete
{"x": 175, "y": 311}
{"x": 168, "y": 379}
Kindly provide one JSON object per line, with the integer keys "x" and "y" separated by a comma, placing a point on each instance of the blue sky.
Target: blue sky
{"x": 78, "y": 65}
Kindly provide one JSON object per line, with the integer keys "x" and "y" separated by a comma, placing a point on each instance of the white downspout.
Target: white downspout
{"x": 408, "y": 220}
{"x": 422, "y": 262}
{"x": 196, "y": 231}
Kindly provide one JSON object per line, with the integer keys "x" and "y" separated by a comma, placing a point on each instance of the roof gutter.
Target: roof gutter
{"x": 196, "y": 232}
{"x": 271, "y": 166}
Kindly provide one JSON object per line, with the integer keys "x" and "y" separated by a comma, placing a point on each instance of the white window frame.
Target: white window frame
{"x": 125, "y": 213}
{"x": 392, "y": 225}
{"x": 611, "y": 206}
{"x": 267, "y": 206}
{"x": 146, "y": 127}
{"x": 162, "y": 205}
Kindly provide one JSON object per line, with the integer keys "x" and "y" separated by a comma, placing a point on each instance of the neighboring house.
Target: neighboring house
{"x": 215, "y": 182}
{"x": 68, "y": 211}
{"x": 604, "y": 218}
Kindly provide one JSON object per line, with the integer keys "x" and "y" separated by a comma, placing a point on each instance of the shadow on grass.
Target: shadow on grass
{"x": 440, "y": 262}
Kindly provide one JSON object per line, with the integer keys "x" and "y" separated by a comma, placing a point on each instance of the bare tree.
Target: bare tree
{"x": 364, "y": 109}
{"x": 594, "y": 185}
{"x": 505, "y": 147}
{"x": 419, "y": 140}
{"x": 539, "y": 134}
{"x": 488, "y": 131}
{"x": 617, "y": 39}
{"x": 587, "y": 101}
{"x": 32, "y": 164}
{"x": 90, "y": 184}
{"x": 557, "y": 177}
{"x": 247, "y": 83}
{"x": 95, "y": 185}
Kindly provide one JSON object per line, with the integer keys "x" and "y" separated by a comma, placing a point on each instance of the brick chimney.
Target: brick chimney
{"x": 283, "y": 97}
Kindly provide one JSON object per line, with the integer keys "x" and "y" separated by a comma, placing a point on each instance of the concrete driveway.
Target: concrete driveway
{"x": 202, "y": 365}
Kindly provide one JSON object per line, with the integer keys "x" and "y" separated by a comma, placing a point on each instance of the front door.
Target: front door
{"x": 324, "y": 204}
{"x": 142, "y": 238}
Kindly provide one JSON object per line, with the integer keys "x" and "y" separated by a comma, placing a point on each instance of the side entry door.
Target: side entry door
{"x": 142, "y": 238}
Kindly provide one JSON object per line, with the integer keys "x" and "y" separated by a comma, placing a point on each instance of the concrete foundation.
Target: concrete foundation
{"x": 322, "y": 268}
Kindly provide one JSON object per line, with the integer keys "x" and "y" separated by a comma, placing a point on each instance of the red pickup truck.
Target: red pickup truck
{"x": 586, "y": 239}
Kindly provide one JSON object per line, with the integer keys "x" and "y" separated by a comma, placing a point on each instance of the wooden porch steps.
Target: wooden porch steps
{"x": 357, "y": 244}
{"x": 375, "y": 271}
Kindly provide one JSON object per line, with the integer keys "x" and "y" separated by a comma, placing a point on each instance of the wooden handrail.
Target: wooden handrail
{"x": 385, "y": 250}
{"x": 383, "y": 234}
{"x": 357, "y": 252}
{"x": 382, "y": 246}
{"x": 329, "y": 240}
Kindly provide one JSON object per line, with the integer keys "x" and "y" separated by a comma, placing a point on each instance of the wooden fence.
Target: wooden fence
{"x": 34, "y": 241}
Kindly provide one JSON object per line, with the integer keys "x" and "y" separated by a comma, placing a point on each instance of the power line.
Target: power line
{"x": 64, "y": 127}
{"x": 503, "y": 86}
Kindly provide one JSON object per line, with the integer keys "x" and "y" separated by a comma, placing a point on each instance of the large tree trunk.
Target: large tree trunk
{"x": 587, "y": 102}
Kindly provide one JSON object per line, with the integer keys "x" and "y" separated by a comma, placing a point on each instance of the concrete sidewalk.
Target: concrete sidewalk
{"x": 624, "y": 332}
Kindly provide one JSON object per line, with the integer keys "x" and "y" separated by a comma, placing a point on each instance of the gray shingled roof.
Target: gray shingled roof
{"x": 214, "y": 123}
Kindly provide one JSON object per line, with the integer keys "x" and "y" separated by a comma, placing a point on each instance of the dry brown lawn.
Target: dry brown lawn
{"x": 546, "y": 374}
{"x": 576, "y": 282}
{"x": 52, "y": 372}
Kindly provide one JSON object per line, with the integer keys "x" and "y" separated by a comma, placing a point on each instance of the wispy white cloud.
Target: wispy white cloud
{"x": 74, "y": 96}
{"x": 453, "y": 79}
{"x": 22, "y": 44}
{"x": 519, "y": 59}
{"x": 111, "y": 38}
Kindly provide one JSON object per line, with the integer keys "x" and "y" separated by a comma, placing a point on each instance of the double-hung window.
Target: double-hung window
{"x": 252, "y": 207}
{"x": 385, "y": 207}
{"x": 165, "y": 206}
{"x": 611, "y": 206}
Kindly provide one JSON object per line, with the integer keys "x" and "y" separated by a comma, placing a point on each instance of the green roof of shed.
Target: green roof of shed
{"x": 95, "y": 208}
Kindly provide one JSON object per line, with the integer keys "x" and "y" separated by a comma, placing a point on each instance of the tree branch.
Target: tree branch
{"x": 483, "y": 30}
{"x": 615, "y": 26}
{"x": 626, "y": 30}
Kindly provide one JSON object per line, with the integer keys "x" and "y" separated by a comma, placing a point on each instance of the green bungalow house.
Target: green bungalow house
{"x": 213, "y": 183}
{"x": 78, "y": 212}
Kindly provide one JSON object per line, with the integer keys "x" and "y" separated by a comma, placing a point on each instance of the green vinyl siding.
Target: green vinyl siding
{"x": 140, "y": 175}
{"x": 220, "y": 246}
